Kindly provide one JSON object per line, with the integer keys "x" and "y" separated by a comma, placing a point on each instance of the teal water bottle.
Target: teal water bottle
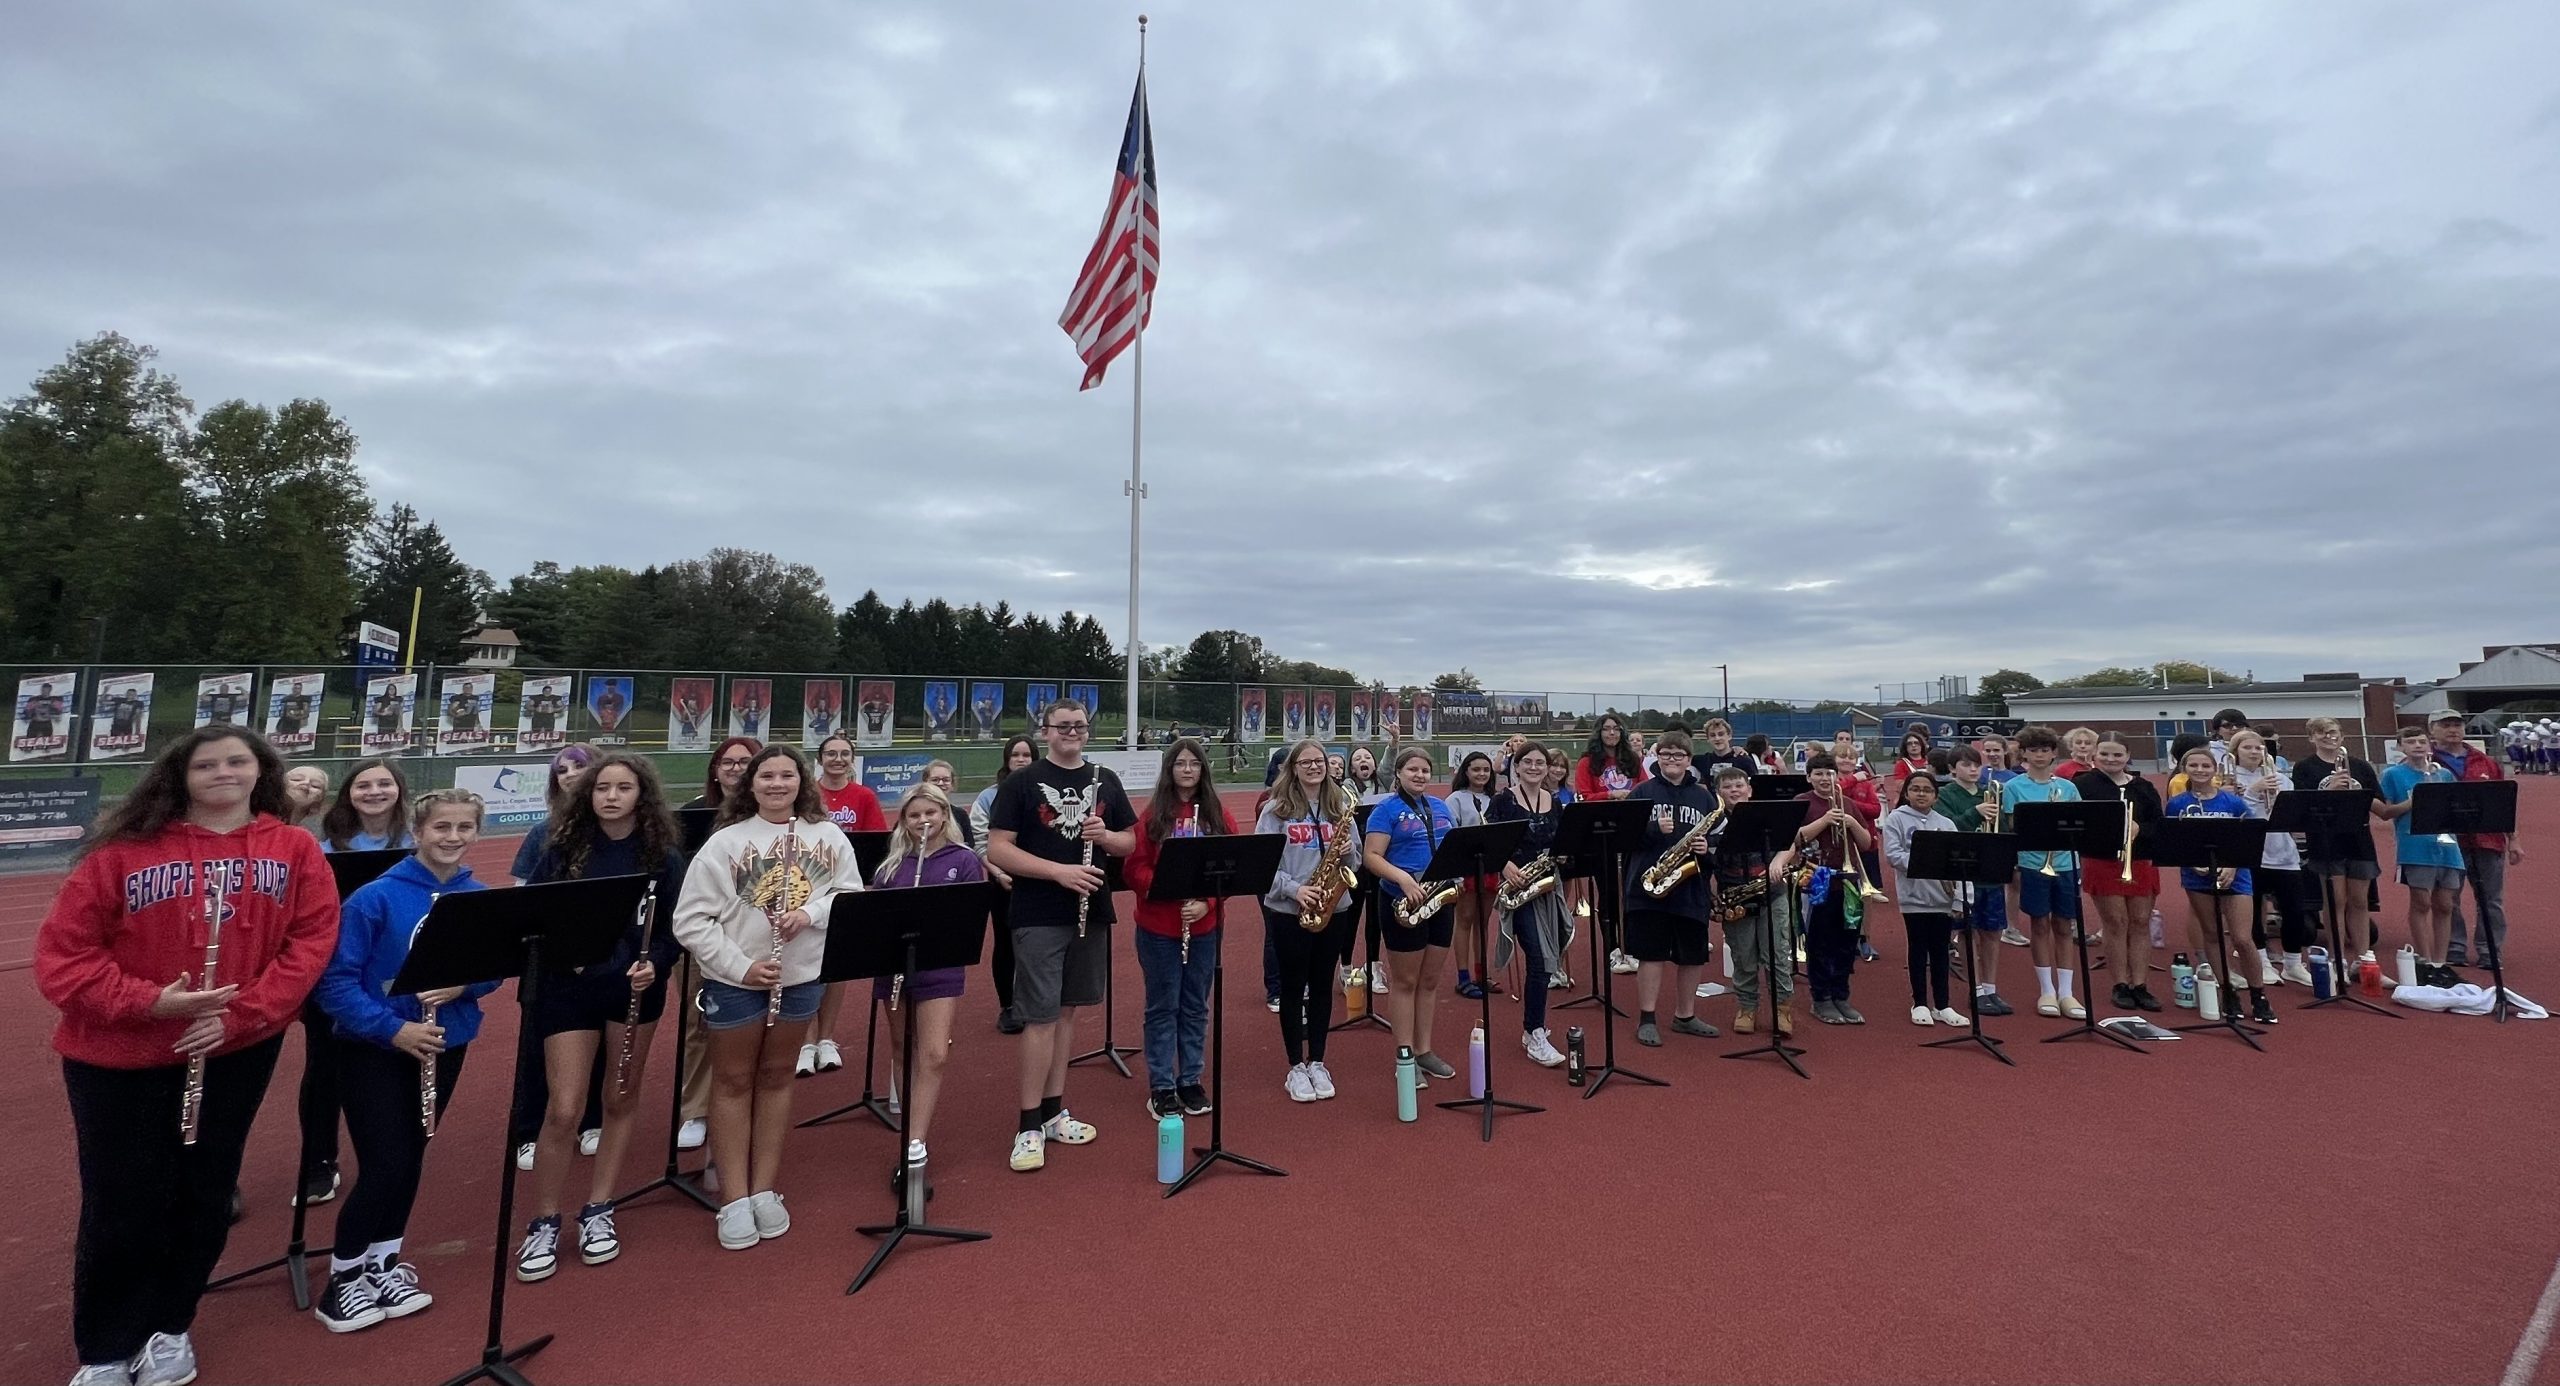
{"x": 1169, "y": 1148}
{"x": 1406, "y": 1077}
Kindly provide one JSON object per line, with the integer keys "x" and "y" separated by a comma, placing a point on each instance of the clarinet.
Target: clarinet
{"x": 191, "y": 1105}
{"x": 631, "y": 1017}
{"x": 427, "y": 1066}
{"x": 773, "y": 915}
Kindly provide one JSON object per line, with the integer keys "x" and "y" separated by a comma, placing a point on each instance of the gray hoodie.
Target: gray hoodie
{"x": 1299, "y": 854}
{"x": 1917, "y": 896}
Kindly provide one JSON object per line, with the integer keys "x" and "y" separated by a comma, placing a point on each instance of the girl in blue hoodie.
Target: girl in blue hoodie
{"x": 381, "y": 1044}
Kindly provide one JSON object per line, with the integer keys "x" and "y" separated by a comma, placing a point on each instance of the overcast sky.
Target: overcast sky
{"x": 1589, "y": 346}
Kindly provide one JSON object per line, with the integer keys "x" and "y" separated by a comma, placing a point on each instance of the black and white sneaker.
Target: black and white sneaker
{"x": 597, "y": 1242}
{"x": 1194, "y": 1099}
{"x": 395, "y": 1288}
{"x": 2261, "y": 1010}
{"x": 319, "y": 1184}
{"x": 346, "y": 1303}
{"x": 538, "y": 1255}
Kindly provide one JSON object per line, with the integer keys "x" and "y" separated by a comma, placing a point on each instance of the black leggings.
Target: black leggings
{"x": 1000, "y": 956}
{"x": 1366, "y": 912}
{"x": 380, "y": 1088}
{"x": 1306, "y": 979}
{"x": 2281, "y": 893}
{"x": 154, "y": 1213}
{"x": 1927, "y": 937}
{"x": 317, "y": 1105}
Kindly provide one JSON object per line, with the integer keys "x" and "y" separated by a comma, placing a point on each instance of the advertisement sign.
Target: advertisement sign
{"x": 986, "y": 709}
{"x": 875, "y": 706}
{"x": 1136, "y": 769}
{"x": 512, "y": 792}
{"x": 389, "y": 703}
{"x": 689, "y": 705}
{"x": 1253, "y": 704}
{"x": 542, "y": 713}
{"x": 293, "y": 711}
{"x": 222, "y": 698}
{"x": 1515, "y": 712}
{"x": 821, "y": 701}
{"x": 892, "y": 773}
{"x": 467, "y": 700}
{"x": 750, "y": 708}
{"x": 609, "y": 708}
{"x": 122, "y": 724}
{"x": 377, "y": 647}
{"x": 46, "y": 818}
{"x": 40, "y": 721}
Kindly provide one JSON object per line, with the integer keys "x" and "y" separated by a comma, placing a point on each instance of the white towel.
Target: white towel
{"x": 2465, "y": 999}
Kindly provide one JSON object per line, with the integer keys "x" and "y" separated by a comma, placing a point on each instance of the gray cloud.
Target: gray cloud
{"x": 1589, "y": 347}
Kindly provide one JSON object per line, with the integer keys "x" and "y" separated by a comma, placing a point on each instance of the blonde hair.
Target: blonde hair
{"x": 425, "y": 805}
{"x": 1289, "y": 798}
{"x": 943, "y": 765}
{"x": 2317, "y": 725}
{"x": 2089, "y": 732}
{"x": 2249, "y": 734}
{"x": 902, "y": 841}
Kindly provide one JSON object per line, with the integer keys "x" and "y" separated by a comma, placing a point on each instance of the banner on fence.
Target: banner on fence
{"x": 1390, "y": 716}
{"x": 819, "y": 701}
{"x": 1293, "y": 714}
{"x": 875, "y": 704}
{"x": 1422, "y": 709}
{"x": 122, "y": 725}
{"x": 45, "y": 818}
{"x": 986, "y": 709}
{"x": 222, "y": 698}
{"x": 1360, "y": 715}
{"x": 1323, "y": 729}
{"x": 467, "y": 700}
{"x": 609, "y": 709}
{"x": 751, "y": 708}
{"x": 1517, "y": 712}
{"x": 689, "y": 703}
{"x": 542, "y": 713}
{"x": 941, "y": 709}
{"x": 1036, "y": 698}
{"x": 389, "y": 704}
{"x": 40, "y": 720}
{"x": 1459, "y": 712}
{"x": 1252, "y": 704}
{"x": 510, "y": 794}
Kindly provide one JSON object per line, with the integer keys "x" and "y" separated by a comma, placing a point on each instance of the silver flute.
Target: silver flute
{"x": 191, "y": 1105}
{"x": 773, "y": 915}
{"x": 631, "y": 1017}
{"x": 427, "y": 1065}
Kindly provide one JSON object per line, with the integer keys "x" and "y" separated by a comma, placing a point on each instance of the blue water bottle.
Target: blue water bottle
{"x": 2323, "y": 979}
{"x": 1407, "y": 1109}
{"x": 1169, "y": 1148}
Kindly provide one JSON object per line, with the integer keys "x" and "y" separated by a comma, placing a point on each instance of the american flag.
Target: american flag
{"x": 1117, "y": 288}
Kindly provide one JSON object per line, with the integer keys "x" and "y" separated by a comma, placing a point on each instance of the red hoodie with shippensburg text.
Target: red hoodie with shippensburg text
{"x": 130, "y": 920}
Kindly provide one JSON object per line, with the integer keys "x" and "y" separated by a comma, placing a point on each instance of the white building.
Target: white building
{"x": 2148, "y": 719}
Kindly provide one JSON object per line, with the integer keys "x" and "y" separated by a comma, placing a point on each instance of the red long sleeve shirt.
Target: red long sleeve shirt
{"x": 1138, "y": 871}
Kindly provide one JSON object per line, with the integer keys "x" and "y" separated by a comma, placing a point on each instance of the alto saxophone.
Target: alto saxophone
{"x": 1434, "y": 897}
{"x": 1332, "y": 878}
{"x": 1677, "y": 862}
{"x": 1539, "y": 877}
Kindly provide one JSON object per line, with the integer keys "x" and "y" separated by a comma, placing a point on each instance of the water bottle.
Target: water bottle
{"x": 2208, "y": 991}
{"x": 1573, "y": 1055}
{"x": 1475, "y": 1062}
{"x": 2369, "y": 979}
{"x": 1169, "y": 1148}
{"x": 1355, "y": 993}
{"x": 2159, "y": 931}
{"x": 2323, "y": 985}
{"x": 2182, "y": 981}
{"x": 2408, "y": 968}
{"x": 1406, "y": 1077}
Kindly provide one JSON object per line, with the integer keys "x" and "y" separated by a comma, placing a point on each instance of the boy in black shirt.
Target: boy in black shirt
{"x": 1038, "y": 830}
{"x": 1669, "y": 931}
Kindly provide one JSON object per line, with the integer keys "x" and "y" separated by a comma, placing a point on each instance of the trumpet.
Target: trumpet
{"x": 191, "y": 1103}
{"x": 631, "y": 1016}
{"x": 1679, "y": 861}
{"x": 1850, "y": 861}
{"x": 1537, "y": 878}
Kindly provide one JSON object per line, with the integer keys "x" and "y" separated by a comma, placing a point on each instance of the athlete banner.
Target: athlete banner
{"x": 389, "y": 704}
{"x": 222, "y": 698}
{"x": 40, "y": 723}
{"x": 293, "y": 710}
{"x": 122, "y": 724}
{"x": 875, "y": 706}
{"x": 542, "y": 714}
{"x": 467, "y": 700}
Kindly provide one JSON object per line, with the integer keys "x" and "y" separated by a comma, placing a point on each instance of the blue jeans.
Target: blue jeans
{"x": 1177, "y": 1028}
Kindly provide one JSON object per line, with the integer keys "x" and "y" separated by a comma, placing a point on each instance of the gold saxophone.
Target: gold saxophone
{"x": 1540, "y": 876}
{"x": 1332, "y": 876}
{"x": 1677, "y": 863}
{"x": 1434, "y": 897}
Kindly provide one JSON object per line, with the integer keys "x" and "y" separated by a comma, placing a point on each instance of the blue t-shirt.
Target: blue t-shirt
{"x": 1410, "y": 836}
{"x": 2222, "y": 803}
{"x": 2417, "y": 849}
{"x": 2022, "y": 790}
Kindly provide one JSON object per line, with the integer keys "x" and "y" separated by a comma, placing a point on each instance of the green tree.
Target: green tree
{"x": 2180, "y": 671}
{"x": 400, "y": 554}
{"x": 862, "y": 636}
{"x": 2113, "y": 676}
{"x": 1991, "y": 692}
{"x": 740, "y": 609}
{"x": 279, "y": 506}
{"x": 1463, "y": 681}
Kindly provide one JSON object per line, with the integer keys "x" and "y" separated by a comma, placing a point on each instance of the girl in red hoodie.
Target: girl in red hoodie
{"x": 1177, "y": 942}
{"x": 122, "y": 955}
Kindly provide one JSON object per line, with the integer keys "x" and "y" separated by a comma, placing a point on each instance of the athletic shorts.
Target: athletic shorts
{"x": 2197, "y": 883}
{"x": 2352, "y": 870}
{"x": 1662, "y": 936}
{"x": 574, "y": 1002}
{"x": 725, "y": 1007}
{"x": 2107, "y": 878}
{"x": 1436, "y": 932}
{"x": 2048, "y": 897}
{"x": 1990, "y": 910}
{"x": 2431, "y": 877}
{"x": 1052, "y": 969}
{"x": 933, "y": 984}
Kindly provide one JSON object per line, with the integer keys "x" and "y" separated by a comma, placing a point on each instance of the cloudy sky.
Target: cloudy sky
{"x": 1589, "y": 346}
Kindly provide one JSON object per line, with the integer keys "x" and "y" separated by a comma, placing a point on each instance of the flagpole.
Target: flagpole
{"x": 1137, "y": 419}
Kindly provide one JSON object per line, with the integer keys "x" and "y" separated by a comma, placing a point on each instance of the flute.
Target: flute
{"x": 427, "y": 1065}
{"x": 191, "y": 1105}
{"x": 631, "y": 1017}
{"x": 1092, "y": 802}
{"x": 773, "y": 915}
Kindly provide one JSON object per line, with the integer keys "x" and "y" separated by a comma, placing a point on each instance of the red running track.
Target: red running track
{"x": 2368, "y": 1201}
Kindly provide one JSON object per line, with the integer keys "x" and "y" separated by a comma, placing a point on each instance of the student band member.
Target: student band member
{"x": 1046, "y": 817}
{"x": 306, "y": 792}
{"x": 1019, "y": 751}
{"x": 2485, "y": 856}
{"x": 382, "y": 1042}
{"x": 1306, "y": 807}
{"x": 761, "y": 885}
{"x": 1609, "y": 768}
{"x": 616, "y": 823}
{"x": 2278, "y": 879}
{"x": 1366, "y": 787}
{"x": 2344, "y": 856}
{"x": 532, "y": 1089}
{"x": 306, "y": 796}
{"x": 927, "y": 848}
{"x": 2124, "y": 902}
{"x": 371, "y": 812}
{"x": 1471, "y": 788}
{"x": 1402, "y": 833}
{"x": 1972, "y": 803}
{"x": 853, "y": 807}
{"x": 121, "y": 955}
{"x": 2051, "y": 903}
{"x": 1185, "y": 804}
{"x": 727, "y": 780}
{"x": 1670, "y": 931}
{"x": 2224, "y": 894}
{"x": 1764, "y": 757}
{"x": 1537, "y": 927}
{"x": 1928, "y": 907}
{"x": 1719, "y": 753}
{"x": 1910, "y": 757}
{"x": 2079, "y": 753}
{"x": 1752, "y": 955}
{"x": 2430, "y": 863}
{"x": 1832, "y": 830}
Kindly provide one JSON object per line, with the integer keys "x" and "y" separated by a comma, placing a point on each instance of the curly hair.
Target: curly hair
{"x": 575, "y": 828}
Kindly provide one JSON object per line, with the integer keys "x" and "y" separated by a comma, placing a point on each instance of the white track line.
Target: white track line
{"x": 2537, "y": 1334}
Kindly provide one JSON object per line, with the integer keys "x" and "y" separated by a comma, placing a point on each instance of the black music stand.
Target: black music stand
{"x": 1977, "y": 860}
{"x": 2329, "y": 811}
{"x": 870, "y": 849}
{"x": 1471, "y": 854}
{"x": 2205, "y": 844}
{"x": 1769, "y": 789}
{"x": 693, "y": 828}
{"x": 2471, "y": 806}
{"x": 1768, "y": 828}
{"x": 2086, "y": 827}
{"x": 889, "y": 933}
{"x": 1111, "y": 1048}
{"x": 1590, "y": 831}
{"x": 1216, "y": 869}
{"x": 477, "y": 936}
{"x": 352, "y": 871}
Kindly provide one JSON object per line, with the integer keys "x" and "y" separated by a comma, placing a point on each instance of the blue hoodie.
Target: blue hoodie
{"x": 374, "y": 929}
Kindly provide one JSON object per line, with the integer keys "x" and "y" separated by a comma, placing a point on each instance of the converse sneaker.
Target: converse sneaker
{"x": 539, "y": 1254}
{"x": 168, "y": 1359}
{"x": 737, "y": 1225}
{"x": 1541, "y": 1049}
{"x": 346, "y": 1303}
{"x": 1066, "y": 1130}
{"x": 808, "y": 1062}
{"x": 689, "y": 1136}
{"x": 1271, "y": 1004}
{"x": 395, "y": 1288}
{"x": 1301, "y": 1087}
{"x": 772, "y": 1219}
{"x": 597, "y": 1242}
{"x": 830, "y": 1056}
{"x": 589, "y": 1139}
{"x": 1320, "y": 1078}
{"x": 1029, "y": 1152}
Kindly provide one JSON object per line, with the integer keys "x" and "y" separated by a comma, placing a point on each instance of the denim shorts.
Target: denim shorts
{"x": 725, "y": 1007}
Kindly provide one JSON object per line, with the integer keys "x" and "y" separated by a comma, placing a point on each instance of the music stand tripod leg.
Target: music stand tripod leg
{"x": 674, "y": 1176}
{"x": 2088, "y": 1022}
{"x": 2222, "y": 945}
{"x": 2332, "y": 897}
{"x": 1973, "y": 1013}
{"x": 869, "y": 1101}
{"x": 1772, "y": 967}
{"x": 496, "y": 1358}
{"x": 1609, "y": 1013}
{"x": 1111, "y": 1048}
{"x": 1216, "y": 1150}
{"x": 1488, "y": 1103}
{"x": 898, "y": 1229}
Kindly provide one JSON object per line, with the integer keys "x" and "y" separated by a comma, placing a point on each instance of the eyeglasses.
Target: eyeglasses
{"x": 736, "y": 762}
{"x": 1077, "y": 727}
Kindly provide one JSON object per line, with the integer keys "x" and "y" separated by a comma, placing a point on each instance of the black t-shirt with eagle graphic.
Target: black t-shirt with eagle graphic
{"x": 1044, "y": 806}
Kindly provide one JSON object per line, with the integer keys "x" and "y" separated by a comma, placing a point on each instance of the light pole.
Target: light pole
{"x": 1725, "y": 672}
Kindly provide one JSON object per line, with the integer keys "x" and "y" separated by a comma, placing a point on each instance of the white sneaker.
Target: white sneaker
{"x": 2010, "y": 937}
{"x": 1707, "y": 989}
{"x": 589, "y": 1139}
{"x": 738, "y": 1225}
{"x": 1920, "y": 1016}
{"x": 168, "y": 1359}
{"x": 1066, "y": 1130}
{"x": 1620, "y": 963}
{"x": 1541, "y": 1049}
{"x": 1320, "y": 1078}
{"x": 1949, "y": 1015}
{"x": 1378, "y": 978}
{"x": 524, "y": 1156}
{"x": 1557, "y": 981}
{"x": 103, "y": 1374}
{"x": 2364, "y": 957}
{"x": 1029, "y": 1152}
{"x": 830, "y": 1056}
{"x": 1272, "y": 1004}
{"x": 1301, "y": 1087}
{"x": 772, "y": 1219}
{"x": 808, "y": 1062}
{"x": 2297, "y": 972}
{"x": 689, "y": 1136}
